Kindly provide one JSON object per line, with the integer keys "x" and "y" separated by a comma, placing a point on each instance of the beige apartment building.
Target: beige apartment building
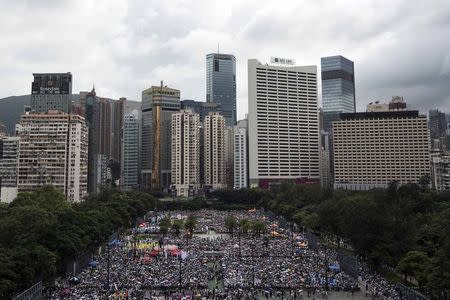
{"x": 185, "y": 153}
{"x": 53, "y": 150}
{"x": 214, "y": 151}
{"x": 372, "y": 149}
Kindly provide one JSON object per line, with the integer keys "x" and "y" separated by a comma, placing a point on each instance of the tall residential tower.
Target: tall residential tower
{"x": 240, "y": 147}
{"x": 185, "y": 153}
{"x": 214, "y": 151}
{"x": 53, "y": 150}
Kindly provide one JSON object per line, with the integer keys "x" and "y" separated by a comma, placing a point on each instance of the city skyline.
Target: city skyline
{"x": 175, "y": 53}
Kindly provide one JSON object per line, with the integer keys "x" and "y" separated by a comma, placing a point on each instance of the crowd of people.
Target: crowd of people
{"x": 377, "y": 286}
{"x": 238, "y": 266}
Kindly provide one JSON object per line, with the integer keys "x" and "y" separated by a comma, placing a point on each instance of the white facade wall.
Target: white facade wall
{"x": 78, "y": 159}
{"x": 283, "y": 122}
{"x": 240, "y": 155}
{"x": 8, "y": 194}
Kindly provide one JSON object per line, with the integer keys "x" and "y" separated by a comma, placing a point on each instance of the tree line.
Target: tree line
{"x": 40, "y": 232}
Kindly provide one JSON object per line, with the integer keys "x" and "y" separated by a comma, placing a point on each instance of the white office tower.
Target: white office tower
{"x": 53, "y": 148}
{"x": 283, "y": 125}
{"x": 130, "y": 150}
{"x": 185, "y": 153}
{"x": 214, "y": 151}
{"x": 240, "y": 154}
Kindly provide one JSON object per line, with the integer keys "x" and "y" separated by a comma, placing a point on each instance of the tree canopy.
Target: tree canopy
{"x": 40, "y": 231}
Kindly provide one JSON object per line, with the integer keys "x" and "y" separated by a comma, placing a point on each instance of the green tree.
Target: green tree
{"x": 244, "y": 225}
{"x": 231, "y": 224}
{"x": 258, "y": 227}
{"x": 190, "y": 224}
{"x": 415, "y": 264}
{"x": 164, "y": 225}
{"x": 177, "y": 225}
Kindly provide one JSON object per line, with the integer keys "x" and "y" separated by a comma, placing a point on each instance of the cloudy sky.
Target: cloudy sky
{"x": 124, "y": 46}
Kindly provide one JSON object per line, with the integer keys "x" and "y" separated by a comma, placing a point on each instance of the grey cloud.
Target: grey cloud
{"x": 399, "y": 47}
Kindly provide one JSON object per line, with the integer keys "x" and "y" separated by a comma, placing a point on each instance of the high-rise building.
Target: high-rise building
{"x": 240, "y": 154}
{"x": 104, "y": 117}
{"x": 130, "y": 151}
{"x": 53, "y": 150}
{"x": 372, "y": 149}
{"x": 9, "y": 151}
{"x": 441, "y": 172}
{"x": 51, "y": 91}
{"x": 338, "y": 84}
{"x": 437, "y": 124}
{"x": 221, "y": 84}
{"x": 158, "y": 105}
{"x": 201, "y": 108}
{"x": 229, "y": 156}
{"x": 98, "y": 113}
{"x": 118, "y": 108}
{"x": 338, "y": 96}
{"x": 283, "y": 126}
{"x": 103, "y": 170}
{"x": 325, "y": 172}
{"x": 214, "y": 151}
{"x": 447, "y": 137}
{"x": 185, "y": 153}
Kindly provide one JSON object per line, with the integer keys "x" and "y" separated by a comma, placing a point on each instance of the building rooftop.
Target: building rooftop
{"x": 381, "y": 115}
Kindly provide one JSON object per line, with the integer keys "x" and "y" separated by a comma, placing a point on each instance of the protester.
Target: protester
{"x": 144, "y": 265}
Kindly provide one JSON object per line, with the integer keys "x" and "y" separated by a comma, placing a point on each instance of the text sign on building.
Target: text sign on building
{"x": 282, "y": 61}
{"x": 49, "y": 90}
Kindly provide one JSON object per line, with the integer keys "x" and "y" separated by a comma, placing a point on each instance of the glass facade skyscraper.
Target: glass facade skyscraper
{"x": 338, "y": 84}
{"x": 338, "y": 96}
{"x": 221, "y": 84}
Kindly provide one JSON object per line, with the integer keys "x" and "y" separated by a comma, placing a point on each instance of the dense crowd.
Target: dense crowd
{"x": 242, "y": 266}
{"x": 377, "y": 286}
